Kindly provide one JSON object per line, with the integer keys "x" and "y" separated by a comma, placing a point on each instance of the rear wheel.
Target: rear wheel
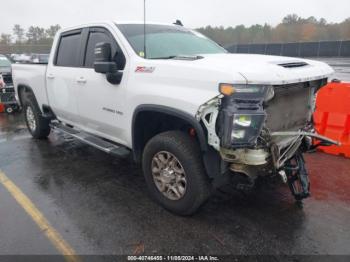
{"x": 37, "y": 125}
{"x": 174, "y": 172}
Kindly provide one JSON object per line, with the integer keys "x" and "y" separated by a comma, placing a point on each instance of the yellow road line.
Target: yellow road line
{"x": 55, "y": 238}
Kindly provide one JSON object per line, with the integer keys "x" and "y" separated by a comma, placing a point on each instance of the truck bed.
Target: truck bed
{"x": 33, "y": 76}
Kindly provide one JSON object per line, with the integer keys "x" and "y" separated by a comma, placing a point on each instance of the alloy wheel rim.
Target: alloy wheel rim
{"x": 30, "y": 119}
{"x": 169, "y": 175}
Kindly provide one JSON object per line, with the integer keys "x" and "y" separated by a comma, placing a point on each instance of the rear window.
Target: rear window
{"x": 68, "y": 50}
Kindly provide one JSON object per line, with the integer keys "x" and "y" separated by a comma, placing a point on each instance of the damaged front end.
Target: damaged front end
{"x": 262, "y": 130}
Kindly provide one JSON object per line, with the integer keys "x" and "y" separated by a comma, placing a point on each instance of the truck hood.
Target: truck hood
{"x": 270, "y": 70}
{"x": 191, "y": 83}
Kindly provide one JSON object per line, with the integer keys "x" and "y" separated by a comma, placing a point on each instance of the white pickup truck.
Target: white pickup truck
{"x": 195, "y": 116}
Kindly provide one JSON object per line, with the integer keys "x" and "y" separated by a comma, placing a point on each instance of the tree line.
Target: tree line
{"x": 291, "y": 29}
{"x": 34, "y": 35}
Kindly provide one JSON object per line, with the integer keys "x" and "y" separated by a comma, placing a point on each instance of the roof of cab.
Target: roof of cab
{"x": 97, "y": 23}
{"x": 141, "y": 22}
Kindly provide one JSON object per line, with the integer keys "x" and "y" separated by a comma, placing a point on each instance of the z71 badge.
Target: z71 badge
{"x": 144, "y": 69}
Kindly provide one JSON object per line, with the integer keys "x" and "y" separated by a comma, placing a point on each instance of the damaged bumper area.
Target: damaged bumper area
{"x": 264, "y": 130}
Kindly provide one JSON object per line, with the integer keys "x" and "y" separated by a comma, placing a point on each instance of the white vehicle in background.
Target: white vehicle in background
{"x": 194, "y": 115}
{"x": 39, "y": 58}
{"x": 21, "y": 58}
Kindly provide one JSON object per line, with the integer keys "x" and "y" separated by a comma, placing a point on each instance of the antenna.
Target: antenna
{"x": 144, "y": 29}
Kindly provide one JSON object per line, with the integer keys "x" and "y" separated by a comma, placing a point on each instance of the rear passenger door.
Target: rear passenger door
{"x": 101, "y": 104}
{"x": 62, "y": 76}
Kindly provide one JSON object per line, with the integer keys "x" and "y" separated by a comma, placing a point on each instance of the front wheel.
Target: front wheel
{"x": 38, "y": 126}
{"x": 174, "y": 172}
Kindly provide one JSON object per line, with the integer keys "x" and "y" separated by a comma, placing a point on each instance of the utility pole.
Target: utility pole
{"x": 144, "y": 29}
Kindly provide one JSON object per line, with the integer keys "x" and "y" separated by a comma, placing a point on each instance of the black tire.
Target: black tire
{"x": 42, "y": 125}
{"x": 187, "y": 151}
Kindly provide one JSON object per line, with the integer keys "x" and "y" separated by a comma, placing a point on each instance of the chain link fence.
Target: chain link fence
{"x": 301, "y": 49}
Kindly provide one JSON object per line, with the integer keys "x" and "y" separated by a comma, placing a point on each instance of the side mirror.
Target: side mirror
{"x": 104, "y": 63}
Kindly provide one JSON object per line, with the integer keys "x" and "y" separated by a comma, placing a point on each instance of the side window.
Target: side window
{"x": 98, "y": 37}
{"x": 68, "y": 50}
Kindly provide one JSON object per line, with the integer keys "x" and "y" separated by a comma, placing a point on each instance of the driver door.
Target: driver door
{"x": 100, "y": 103}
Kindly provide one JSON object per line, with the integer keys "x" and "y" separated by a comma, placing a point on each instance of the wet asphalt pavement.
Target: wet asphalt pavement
{"x": 99, "y": 204}
{"x": 341, "y": 67}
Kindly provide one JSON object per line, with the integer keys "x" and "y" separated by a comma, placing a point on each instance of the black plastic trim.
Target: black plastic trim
{"x": 211, "y": 158}
{"x": 27, "y": 88}
{"x": 173, "y": 112}
{"x": 50, "y": 115}
{"x": 19, "y": 95}
{"x": 47, "y": 112}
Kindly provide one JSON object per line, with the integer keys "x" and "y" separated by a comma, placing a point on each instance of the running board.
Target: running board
{"x": 91, "y": 140}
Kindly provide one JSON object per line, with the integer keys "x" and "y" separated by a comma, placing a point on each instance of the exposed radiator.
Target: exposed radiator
{"x": 291, "y": 105}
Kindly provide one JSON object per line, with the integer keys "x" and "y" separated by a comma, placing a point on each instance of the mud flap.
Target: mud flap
{"x": 298, "y": 178}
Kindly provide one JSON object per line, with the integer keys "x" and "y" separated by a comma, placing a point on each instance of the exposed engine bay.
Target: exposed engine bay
{"x": 262, "y": 130}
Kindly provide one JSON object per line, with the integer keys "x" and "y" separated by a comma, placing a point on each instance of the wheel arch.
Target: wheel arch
{"x": 21, "y": 90}
{"x": 143, "y": 112}
{"x": 45, "y": 110}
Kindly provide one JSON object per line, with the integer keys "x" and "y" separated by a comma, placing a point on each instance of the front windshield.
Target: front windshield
{"x": 4, "y": 62}
{"x": 165, "y": 41}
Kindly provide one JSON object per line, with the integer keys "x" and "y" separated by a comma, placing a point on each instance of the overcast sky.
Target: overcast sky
{"x": 193, "y": 13}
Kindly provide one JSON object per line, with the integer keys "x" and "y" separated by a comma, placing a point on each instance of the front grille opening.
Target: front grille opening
{"x": 289, "y": 109}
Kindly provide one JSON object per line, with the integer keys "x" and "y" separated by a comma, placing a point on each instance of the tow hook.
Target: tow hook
{"x": 298, "y": 178}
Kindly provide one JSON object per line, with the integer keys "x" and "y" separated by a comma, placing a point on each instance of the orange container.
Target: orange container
{"x": 2, "y": 108}
{"x": 332, "y": 116}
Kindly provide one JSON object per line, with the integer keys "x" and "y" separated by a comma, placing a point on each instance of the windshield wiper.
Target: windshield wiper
{"x": 180, "y": 57}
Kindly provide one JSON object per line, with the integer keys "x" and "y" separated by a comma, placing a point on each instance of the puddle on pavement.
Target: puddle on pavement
{"x": 12, "y": 127}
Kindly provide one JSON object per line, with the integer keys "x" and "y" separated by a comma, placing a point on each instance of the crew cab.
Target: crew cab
{"x": 192, "y": 114}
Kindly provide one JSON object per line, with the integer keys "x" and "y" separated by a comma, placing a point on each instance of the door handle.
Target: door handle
{"x": 50, "y": 76}
{"x": 81, "y": 80}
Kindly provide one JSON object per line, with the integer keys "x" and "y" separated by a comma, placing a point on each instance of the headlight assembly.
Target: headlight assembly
{"x": 242, "y": 115}
{"x": 247, "y": 91}
{"x": 246, "y": 128}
